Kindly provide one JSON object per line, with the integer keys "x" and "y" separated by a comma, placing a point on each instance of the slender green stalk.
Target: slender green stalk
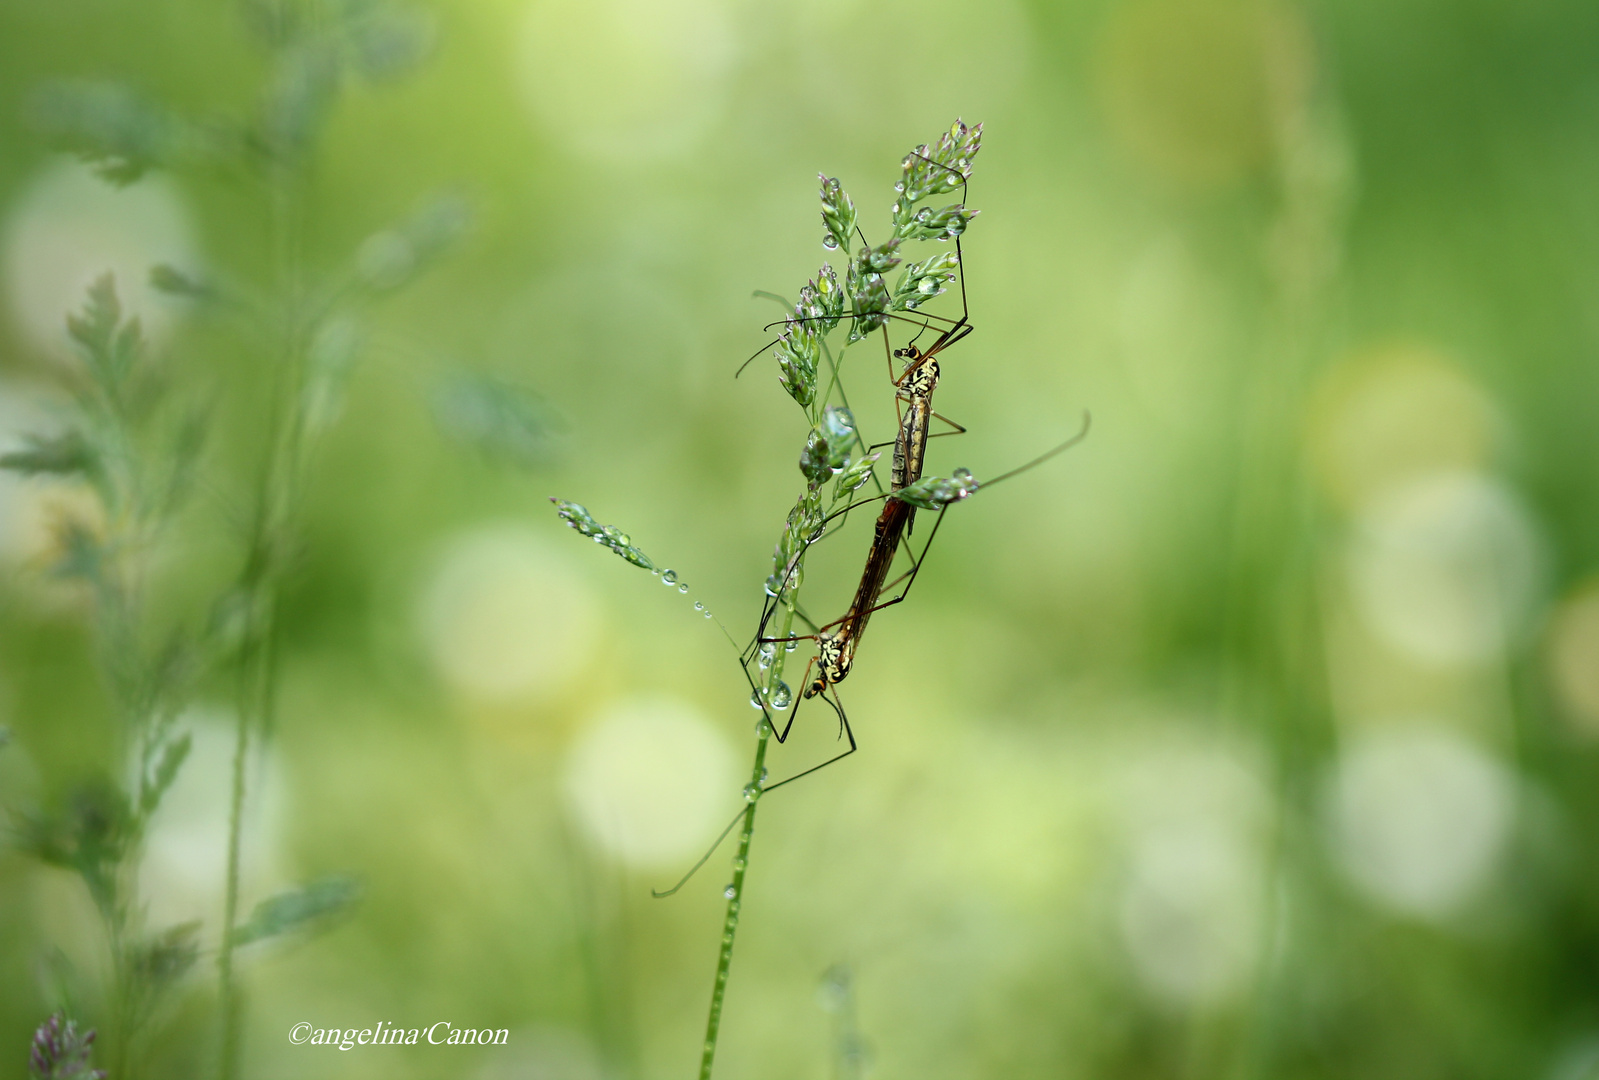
{"x": 275, "y": 507}
{"x": 741, "y": 862}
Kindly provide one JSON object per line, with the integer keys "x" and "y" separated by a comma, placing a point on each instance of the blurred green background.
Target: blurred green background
{"x": 1257, "y": 737}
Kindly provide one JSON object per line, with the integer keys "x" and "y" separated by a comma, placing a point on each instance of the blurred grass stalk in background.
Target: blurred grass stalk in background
{"x": 307, "y": 318}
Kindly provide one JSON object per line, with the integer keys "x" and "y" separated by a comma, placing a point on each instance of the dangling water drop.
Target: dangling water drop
{"x": 829, "y": 243}
{"x": 730, "y": 892}
{"x": 682, "y": 588}
{"x": 707, "y": 613}
{"x": 791, "y": 644}
{"x": 781, "y": 695}
{"x": 698, "y": 606}
{"x": 669, "y": 577}
{"x": 751, "y": 792}
{"x": 756, "y": 699}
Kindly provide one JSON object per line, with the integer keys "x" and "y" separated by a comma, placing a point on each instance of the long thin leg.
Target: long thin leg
{"x": 661, "y": 894}
{"x": 847, "y": 731}
{"x": 909, "y": 577}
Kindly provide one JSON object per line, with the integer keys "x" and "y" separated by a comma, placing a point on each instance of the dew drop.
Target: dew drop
{"x": 791, "y": 644}
{"x": 755, "y": 700}
{"x": 669, "y": 577}
{"x": 763, "y": 775}
{"x": 730, "y": 892}
{"x": 895, "y": 210}
{"x": 781, "y": 695}
{"x": 829, "y": 243}
{"x": 910, "y": 304}
{"x": 899, "y": 185}
{"x": 698, "y": 606}
{"x": 751, "y": 792}
{"x": 682, "y": 588}
{"x": 707, "y": 614}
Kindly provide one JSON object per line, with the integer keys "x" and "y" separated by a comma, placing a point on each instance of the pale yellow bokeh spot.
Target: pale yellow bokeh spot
{"x": 627, "y": 79}
{"x": 1393, "y": 414}
{"x": 650, "y": 781}
{"x": 507, "y": 618}
{"x": 1574, "y": 658}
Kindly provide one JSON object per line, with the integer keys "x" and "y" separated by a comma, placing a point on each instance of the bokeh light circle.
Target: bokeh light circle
{"x": 1420, "y": 816}
{"x": 69, "y": 227}
{"x": 507, "y": 617}
{"x": 1190, "y": 906}
{"x": 1445, "y": 568}
{"x": 649, "y": 780}
{"x": 1392, "y": 415}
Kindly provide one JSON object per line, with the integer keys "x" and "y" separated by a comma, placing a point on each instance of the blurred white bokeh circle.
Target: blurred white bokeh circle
{"x": 649, "y": 781}
{"x": 506, "y": 617}
{"x": 1190, "y": 909}
{"x": 1420, "y": 816}
{"x": 69, "y": 227}
{"x": 1445, "y": 568}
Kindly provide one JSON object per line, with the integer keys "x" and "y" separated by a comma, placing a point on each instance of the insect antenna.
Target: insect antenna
{"x": 1040, "y": 459}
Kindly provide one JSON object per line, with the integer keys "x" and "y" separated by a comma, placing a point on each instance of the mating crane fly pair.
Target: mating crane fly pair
{"x": 836, "y": 642}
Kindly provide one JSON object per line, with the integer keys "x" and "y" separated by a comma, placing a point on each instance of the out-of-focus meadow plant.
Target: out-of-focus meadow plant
{"x": 136, "y": 440}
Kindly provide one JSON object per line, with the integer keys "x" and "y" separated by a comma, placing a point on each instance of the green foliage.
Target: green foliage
{"x": 838, "y": 215}
{"x": 855, "y": 476}
{"x": 505, "y": 421}
{"x": 90, "y": 835}
{"x": 578, "y": 518}
{"x": 109, "y": 345}
{"x": 798, "y": 351}
{"x": 162, "y": 959}
{"x": 66, "y": 454}
{"x": 920, "y": 282}
{"x": 936, "y": 492}
{"x": 827, "y": 448}
{"x": 173, "y": 754}
{"x": 298, "y": 910}
{"x": 111, "y": 127}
